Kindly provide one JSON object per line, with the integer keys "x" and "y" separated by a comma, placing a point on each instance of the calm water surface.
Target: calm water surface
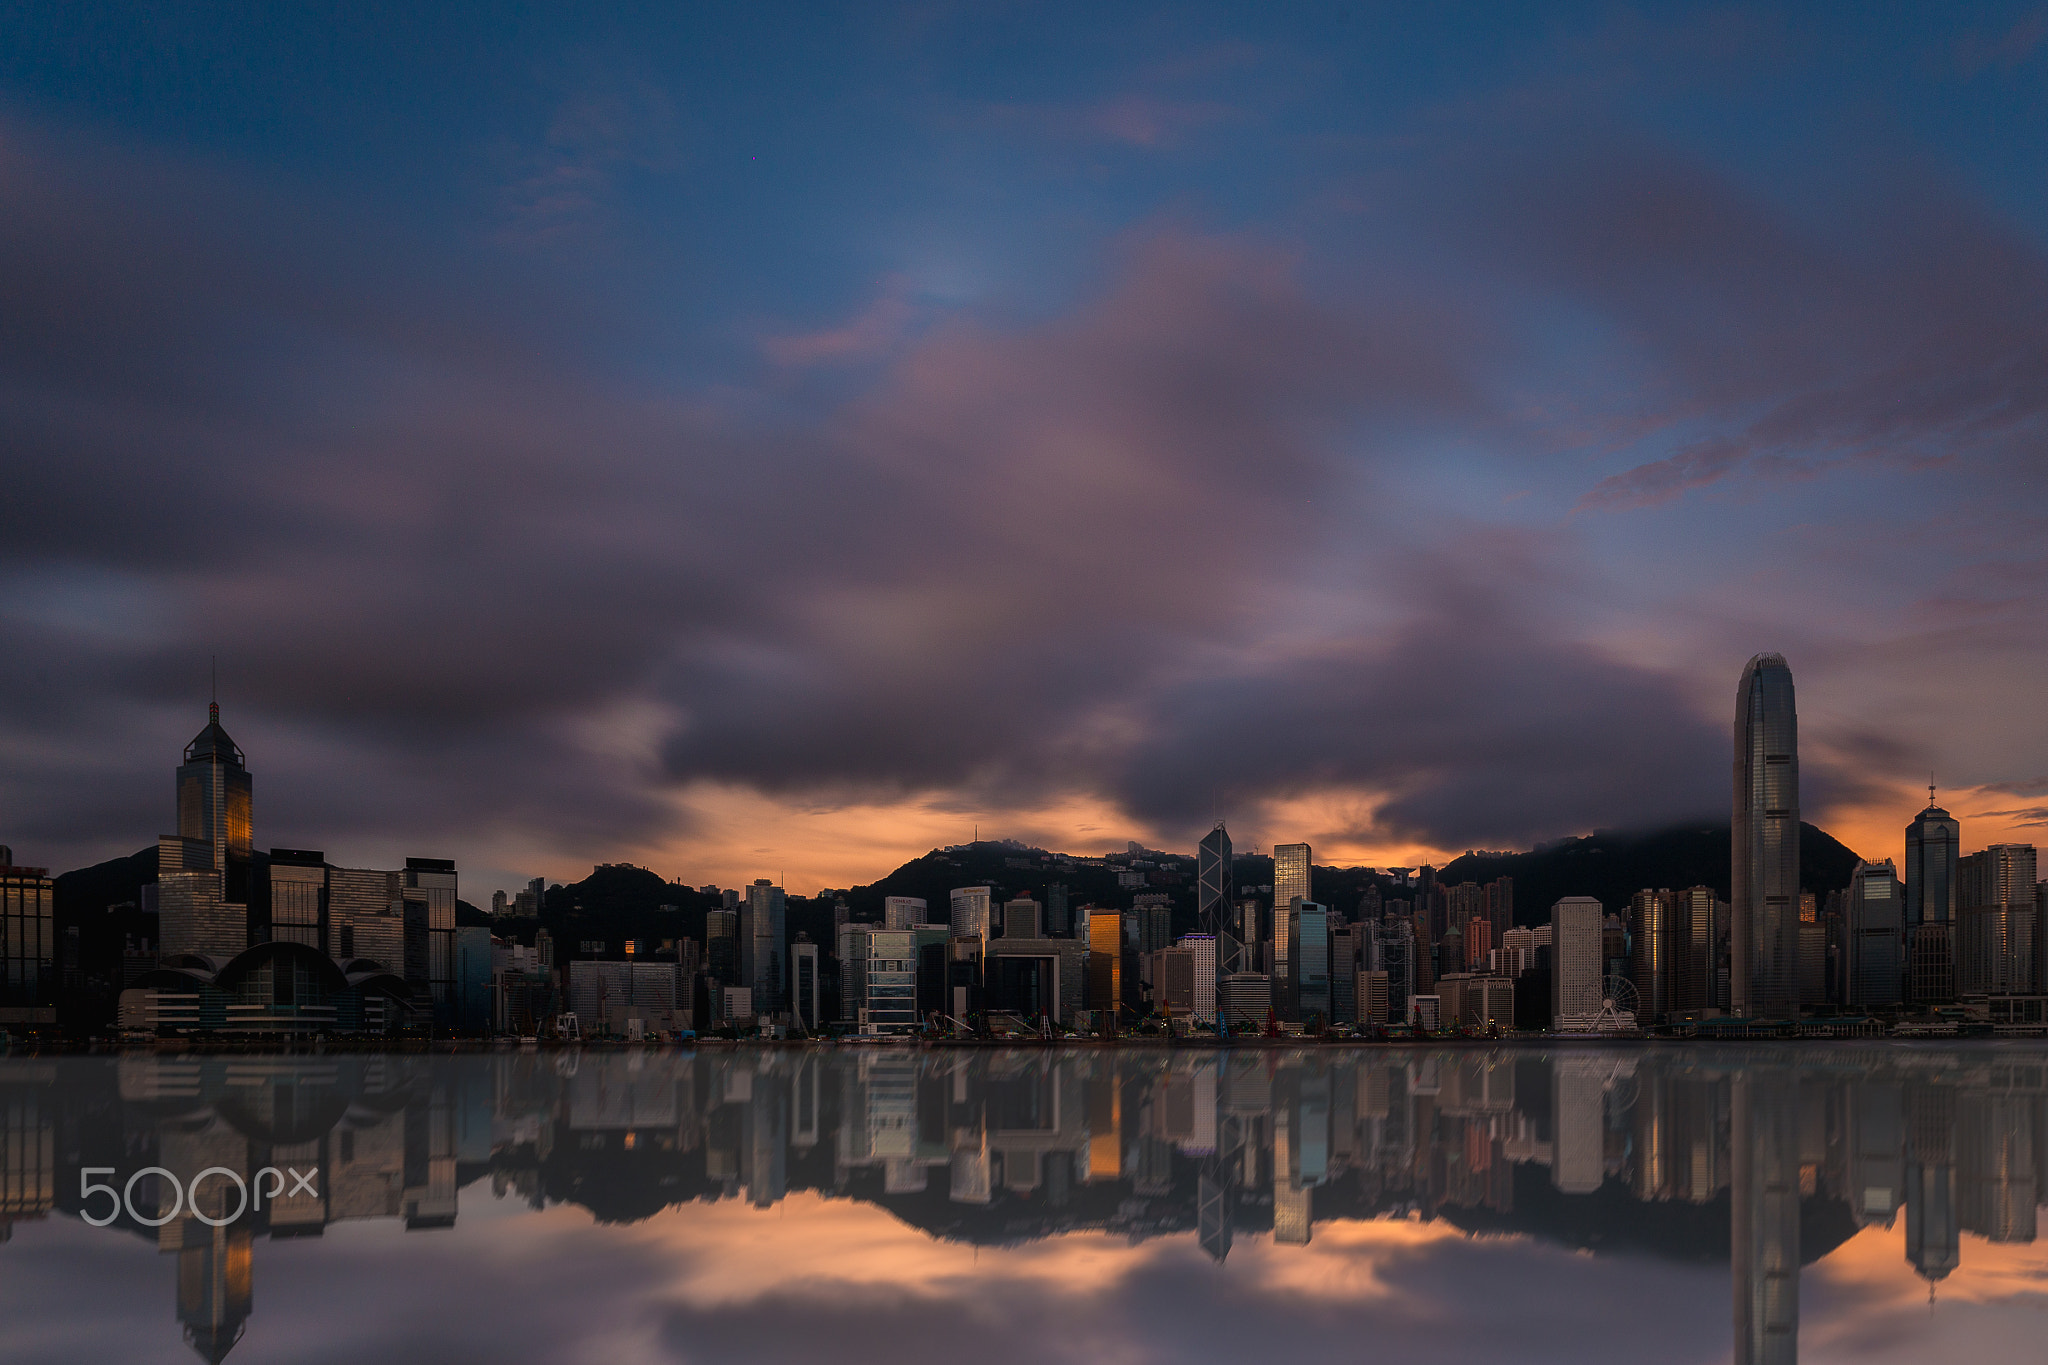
{"x": 1855, "y": 1202}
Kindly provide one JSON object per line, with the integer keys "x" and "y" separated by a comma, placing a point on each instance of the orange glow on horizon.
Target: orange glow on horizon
{"x": 729, "y": 835}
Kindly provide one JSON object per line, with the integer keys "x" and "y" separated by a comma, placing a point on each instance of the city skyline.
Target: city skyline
{"x": 581, "y": 438}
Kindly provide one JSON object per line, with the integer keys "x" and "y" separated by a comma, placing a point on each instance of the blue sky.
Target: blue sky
{"x": 715, "y": 433}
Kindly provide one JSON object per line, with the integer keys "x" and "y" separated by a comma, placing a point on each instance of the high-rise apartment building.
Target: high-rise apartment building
{"x": 1995, "y": 920}
{"x": 1577, "y": 925}
{"x": 1479, "y": 943}
{"x": 1764, "y": 855}
{"x": 1875, "y": 936}
{"x": 1152, "y": 921}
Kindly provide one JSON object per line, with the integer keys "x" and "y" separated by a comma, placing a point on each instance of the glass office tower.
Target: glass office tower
{"x": 1213, "y": 897}
{"x": 1291, "y": 882}
{"x": 763, "y": 946}
{"x": 1309, "y": 954}
{"x": 214, "y": 795}
{"x": 1933, "y": 842}
{"x": 1876, "y": 937}
{"x": 1764, "y": 852}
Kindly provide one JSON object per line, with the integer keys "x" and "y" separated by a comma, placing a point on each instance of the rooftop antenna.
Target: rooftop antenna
{"x": 213, "y": 691}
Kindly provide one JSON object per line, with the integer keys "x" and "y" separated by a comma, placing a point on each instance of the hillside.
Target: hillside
{"x": 618, "y": 901}
{"x": 1612, "y": 867}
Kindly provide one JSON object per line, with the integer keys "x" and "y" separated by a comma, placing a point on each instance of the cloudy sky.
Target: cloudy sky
{"x": 773, "y": 440}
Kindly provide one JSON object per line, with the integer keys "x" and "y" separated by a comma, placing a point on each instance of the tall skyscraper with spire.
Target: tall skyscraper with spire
{"x": 1764, "y": 853}
{"x": 1213, "y": 897}
{"x": 203, "y": 869}
{"x": 1933, "y": 843}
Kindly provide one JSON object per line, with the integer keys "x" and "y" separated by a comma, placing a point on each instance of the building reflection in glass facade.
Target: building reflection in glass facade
{"x": 1770, "y": 1157}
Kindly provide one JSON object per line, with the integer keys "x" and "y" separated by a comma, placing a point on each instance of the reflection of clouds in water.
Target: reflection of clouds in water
{"x": 740, "y": 1205}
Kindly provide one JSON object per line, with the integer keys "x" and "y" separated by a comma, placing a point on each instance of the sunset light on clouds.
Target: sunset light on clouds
{"x": 759, "y": 445}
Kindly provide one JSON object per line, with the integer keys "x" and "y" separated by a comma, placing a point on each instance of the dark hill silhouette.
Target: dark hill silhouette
{"x": 1611, "y": 867}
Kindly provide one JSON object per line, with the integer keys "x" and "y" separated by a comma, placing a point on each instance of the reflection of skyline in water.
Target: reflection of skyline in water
{"x": 1766, "y": 1160}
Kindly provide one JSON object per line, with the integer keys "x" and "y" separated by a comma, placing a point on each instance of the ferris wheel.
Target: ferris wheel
{"x": 1618, "y": 994}
{"x": 1618, "y": 1001}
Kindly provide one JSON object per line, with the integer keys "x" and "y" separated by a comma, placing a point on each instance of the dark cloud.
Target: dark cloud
{"x": 475, "y": 582}
{"x": 1903, "y": 322}
{"x": 1479, "y": 724}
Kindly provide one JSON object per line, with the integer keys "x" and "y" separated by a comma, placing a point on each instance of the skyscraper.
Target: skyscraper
{"x": 1291, "y": 882}
{"x": 1577, "y": 924}
{"x": 1933, "y": 842}
{"x": 326, "y": 949}
{"x": 807, "y": 996}
{"x": 1105, "y": 965}
{"x": 214, "y": 795}
{"x": 971, "y": 909}
{"x": 764, "y": 946}
{"x": 1875, "y": 936}
{"x": 1995, "y": 927}
{"x": 1764, "y": 853}
{"x": 1058, "y": 923}
{"x": 721, "y": 946}
{"x": 902, "y": 912}
{"x": 1308, "y": 952}
{"x": 1653, "y": 926}
{"x": 1500, "y": 905}
{"x": 1392, "y": 951}
{"x": 203, "y": 869}
{"x": 1214, "y": 888}
{"x": 1203, "y": 947}
{"x": 1695, "y": 947}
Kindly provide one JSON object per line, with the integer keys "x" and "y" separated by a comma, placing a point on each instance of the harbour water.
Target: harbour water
{"x": 1861, "y": 1201}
